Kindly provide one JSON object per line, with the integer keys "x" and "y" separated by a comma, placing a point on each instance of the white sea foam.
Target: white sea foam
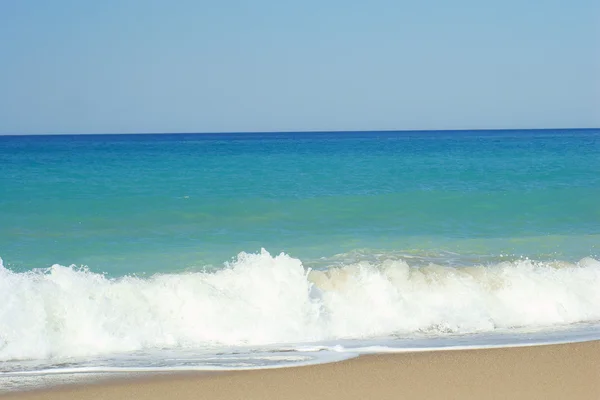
{"x": 260, "y": 299}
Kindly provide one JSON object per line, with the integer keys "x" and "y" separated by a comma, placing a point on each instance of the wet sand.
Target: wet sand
{"x": 565, "y": 371}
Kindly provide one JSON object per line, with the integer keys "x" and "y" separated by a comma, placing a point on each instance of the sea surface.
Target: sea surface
{"x": 252, "y": 250}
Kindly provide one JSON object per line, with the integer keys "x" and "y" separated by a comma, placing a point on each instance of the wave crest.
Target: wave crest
{"x": 260, "y": 299}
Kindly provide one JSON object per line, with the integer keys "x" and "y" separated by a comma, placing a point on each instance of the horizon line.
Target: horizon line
{"x": 300, "y": 131}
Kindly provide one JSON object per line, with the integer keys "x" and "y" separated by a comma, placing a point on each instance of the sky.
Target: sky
{"x": 132, "y": 66}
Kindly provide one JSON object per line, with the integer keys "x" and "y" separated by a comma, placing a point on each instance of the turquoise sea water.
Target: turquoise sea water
{"x": 148, "y": 203}
{"x": 261, "y": 249}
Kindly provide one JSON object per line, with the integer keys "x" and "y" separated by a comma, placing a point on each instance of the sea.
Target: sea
{"x": 168, "y": 252}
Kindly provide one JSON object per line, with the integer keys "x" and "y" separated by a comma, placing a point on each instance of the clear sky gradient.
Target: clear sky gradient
{"x": 209, "y": 66}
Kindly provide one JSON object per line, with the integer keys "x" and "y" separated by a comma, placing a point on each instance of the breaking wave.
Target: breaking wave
{"x": 259, "y": 299}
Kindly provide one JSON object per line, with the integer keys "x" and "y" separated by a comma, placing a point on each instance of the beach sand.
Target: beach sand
{"x": 565, "y": 371}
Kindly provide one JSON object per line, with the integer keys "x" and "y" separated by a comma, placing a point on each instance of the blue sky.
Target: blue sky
{"x": 198, "y": 66}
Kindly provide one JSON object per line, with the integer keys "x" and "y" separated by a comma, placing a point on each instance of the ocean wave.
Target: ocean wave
{"x": 259, "y": 299}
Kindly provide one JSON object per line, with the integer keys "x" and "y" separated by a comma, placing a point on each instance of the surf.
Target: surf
{"x": 260, "y": 300}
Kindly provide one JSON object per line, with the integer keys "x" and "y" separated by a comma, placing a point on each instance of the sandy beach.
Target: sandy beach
{"x": 565, "y": 371}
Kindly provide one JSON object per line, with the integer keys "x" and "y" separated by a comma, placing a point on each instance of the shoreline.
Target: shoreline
{"x": 551, "y": 371}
